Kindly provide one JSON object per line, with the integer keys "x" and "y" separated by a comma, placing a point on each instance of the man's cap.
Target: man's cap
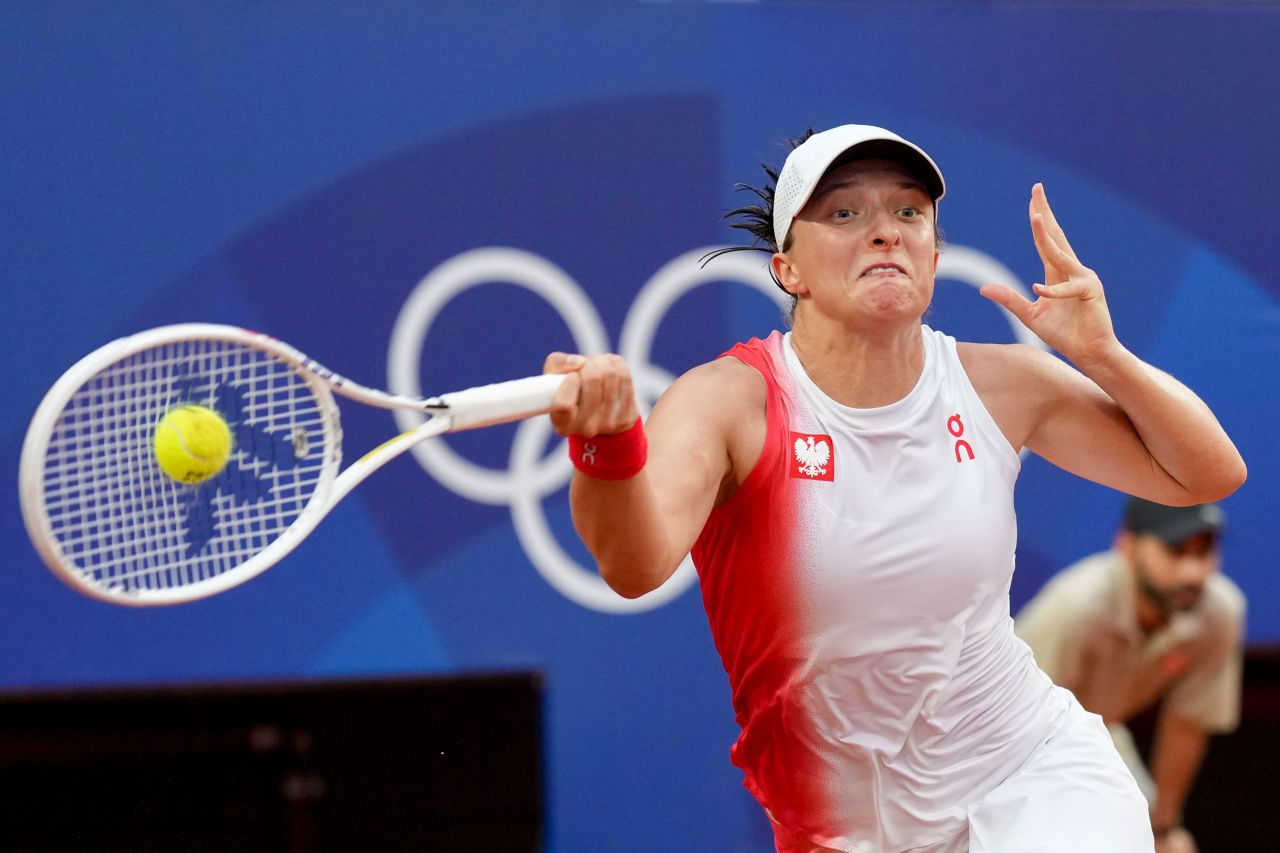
{"x": 810, "y": 160}
{"x": 1173, "y": 525}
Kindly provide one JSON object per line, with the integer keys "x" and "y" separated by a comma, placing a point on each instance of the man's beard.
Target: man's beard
{"x": 1177, "y": 598}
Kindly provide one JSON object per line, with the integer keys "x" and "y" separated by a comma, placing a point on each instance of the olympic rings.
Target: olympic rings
{"x": 529, "y": 479}
{"x": 454, "y": 276}
{"x": 676, "y": 278}
{"x": 571, "y": 580}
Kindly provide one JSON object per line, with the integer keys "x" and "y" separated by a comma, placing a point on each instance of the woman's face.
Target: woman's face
{"x": 863, "y": 248}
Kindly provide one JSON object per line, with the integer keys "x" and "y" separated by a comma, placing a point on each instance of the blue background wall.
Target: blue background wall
{"x": 300, "y": 168}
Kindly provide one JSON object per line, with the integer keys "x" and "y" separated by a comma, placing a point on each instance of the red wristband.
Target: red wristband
{"x": 611, "y": 457}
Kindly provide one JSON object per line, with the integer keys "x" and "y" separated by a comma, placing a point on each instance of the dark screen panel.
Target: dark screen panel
{"x": 430, "y": 764}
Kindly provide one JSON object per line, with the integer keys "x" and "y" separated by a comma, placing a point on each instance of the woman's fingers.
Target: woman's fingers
{"x": 1072, "y": 289}
{"x": 1016, "y": 304}
{"x": 1040, "y": 204}
{"x": 597, "y": 396}
{"x": 1053, "y": 255}
{"x": 564, "y": 406}
{"x": 563, "y": 362}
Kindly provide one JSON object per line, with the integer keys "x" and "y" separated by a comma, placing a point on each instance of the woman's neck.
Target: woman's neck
{"x": 860, "y": 370}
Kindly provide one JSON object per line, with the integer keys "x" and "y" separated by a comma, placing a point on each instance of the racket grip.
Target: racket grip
{"x": 502, "y": 401}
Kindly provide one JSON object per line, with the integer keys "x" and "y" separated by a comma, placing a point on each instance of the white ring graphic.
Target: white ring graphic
{"x": 454, "y": 276}
{"x": 974, "y": 268}
{"x": 529, "y": 479}
{"x": 578, "y": 584}
{"x": 676, "y": 278}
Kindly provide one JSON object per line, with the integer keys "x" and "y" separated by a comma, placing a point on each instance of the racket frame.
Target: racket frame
{"x": 471, "y": 408}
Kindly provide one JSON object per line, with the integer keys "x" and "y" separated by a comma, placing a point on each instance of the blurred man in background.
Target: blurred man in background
{"x": 1150, "y": 621}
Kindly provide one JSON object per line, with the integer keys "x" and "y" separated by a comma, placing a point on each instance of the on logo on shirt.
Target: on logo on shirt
{"x": 955, "y": 426}
{"x": 812, "y": 457}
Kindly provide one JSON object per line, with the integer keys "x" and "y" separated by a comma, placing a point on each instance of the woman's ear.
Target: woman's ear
{"x": 785, "y": 271}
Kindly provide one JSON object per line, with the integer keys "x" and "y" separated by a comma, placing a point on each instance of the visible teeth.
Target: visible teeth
{"x": 883, "y": 269}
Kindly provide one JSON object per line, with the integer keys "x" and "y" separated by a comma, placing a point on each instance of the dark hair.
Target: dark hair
{"x": 757, "y": 220}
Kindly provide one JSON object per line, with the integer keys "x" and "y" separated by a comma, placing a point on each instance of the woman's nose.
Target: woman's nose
{"x": 884, "y": 231}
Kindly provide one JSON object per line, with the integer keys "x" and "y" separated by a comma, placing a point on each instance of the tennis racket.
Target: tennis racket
{"x": 109, "y": 522}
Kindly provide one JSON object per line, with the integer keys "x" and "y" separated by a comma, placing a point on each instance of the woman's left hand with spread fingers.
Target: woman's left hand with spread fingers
{"x": 1070, "y": 312}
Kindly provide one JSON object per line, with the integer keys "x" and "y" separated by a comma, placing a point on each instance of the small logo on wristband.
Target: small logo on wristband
{"x": 813, "y": 457}
{"x": 610, "y": 456}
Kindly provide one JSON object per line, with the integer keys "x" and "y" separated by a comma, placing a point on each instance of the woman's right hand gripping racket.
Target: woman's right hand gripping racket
{"x": 107, "y": 518}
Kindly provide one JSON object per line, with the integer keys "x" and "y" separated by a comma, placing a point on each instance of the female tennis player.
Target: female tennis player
{"x": 847, "y": 492}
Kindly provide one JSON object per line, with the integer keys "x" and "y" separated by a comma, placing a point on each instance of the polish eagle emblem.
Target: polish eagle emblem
{"x": 812, "y": 456}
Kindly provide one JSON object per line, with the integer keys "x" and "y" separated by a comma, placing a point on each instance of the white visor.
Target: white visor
{"x": 810, "y": 160}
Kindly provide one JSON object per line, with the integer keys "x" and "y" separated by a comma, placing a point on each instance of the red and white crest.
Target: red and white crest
{"x": 812, "y": 457}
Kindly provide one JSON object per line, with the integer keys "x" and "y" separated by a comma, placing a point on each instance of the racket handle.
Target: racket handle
{"x": 502, "y": 401}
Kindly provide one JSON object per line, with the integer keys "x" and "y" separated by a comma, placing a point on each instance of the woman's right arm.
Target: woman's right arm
{"x": 640, "y": 528}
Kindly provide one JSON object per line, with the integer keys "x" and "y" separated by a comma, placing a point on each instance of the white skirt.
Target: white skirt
{"x": 1073, "y": 794}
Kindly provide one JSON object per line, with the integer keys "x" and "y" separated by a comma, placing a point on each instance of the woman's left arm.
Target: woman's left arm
{"x": 1132, "y": 427}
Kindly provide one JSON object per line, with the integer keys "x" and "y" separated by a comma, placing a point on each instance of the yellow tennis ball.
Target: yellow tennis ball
{"x": 192, "y": 443}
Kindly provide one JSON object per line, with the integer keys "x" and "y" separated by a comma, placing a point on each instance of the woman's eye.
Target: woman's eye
{"x": 843, "y": 213}
{"x": 909, "y": 212}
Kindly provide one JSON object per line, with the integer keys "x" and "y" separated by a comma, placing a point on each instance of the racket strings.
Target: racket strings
{"x": 124, "y": 523}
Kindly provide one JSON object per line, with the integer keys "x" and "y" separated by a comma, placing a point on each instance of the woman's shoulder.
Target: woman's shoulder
{"x": 724, "y": 382}
{"x": 1015, "y": 382}
{"x": 999, "y": 363}
{"x": 1033, "y": 376}
{"x": 720, "y": 404}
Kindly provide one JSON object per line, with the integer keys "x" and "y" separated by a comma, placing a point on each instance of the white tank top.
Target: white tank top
{"x": 857, "y": 587}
